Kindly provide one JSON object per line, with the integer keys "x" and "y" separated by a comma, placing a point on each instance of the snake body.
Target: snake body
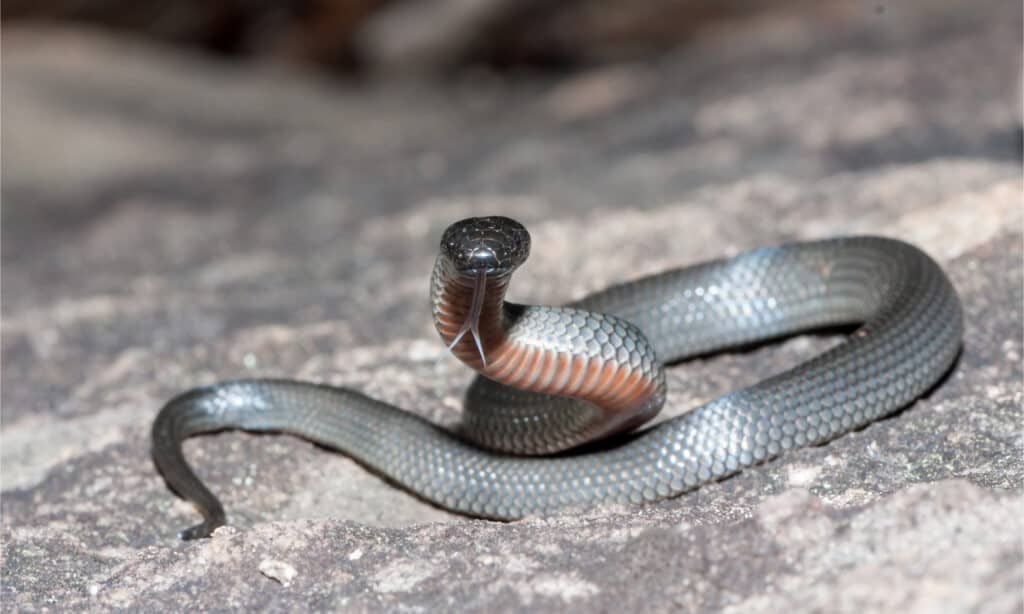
{"x": 553, "y": 378}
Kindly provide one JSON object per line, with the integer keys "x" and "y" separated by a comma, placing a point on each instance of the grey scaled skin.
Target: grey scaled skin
{"x": 594, "y": 368}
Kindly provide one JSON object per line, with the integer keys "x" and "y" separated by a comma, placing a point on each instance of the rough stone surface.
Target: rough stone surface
{"x": 169, "y": 222}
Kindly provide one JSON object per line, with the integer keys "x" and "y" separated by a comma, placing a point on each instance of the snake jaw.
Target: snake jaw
{"x": 472, "y": 321}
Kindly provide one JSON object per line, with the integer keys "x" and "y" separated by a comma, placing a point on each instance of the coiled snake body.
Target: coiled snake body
{"x": 553, "y": 378}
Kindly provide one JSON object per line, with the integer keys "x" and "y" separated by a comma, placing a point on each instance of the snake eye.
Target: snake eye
{"x": 495, "y": 244}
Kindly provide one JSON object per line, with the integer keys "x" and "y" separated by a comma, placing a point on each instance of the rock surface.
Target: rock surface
{"x": 169, "y": 222}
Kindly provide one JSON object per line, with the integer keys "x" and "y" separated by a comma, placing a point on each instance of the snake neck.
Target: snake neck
{"x": 452, "y": 298}
{"x": 617, "y": 371}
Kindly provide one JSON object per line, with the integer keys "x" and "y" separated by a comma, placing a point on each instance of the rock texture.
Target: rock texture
{"x": 169, "y": 222}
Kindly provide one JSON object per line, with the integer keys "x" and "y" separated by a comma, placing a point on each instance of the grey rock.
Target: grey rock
{"x": 169, "y": 222}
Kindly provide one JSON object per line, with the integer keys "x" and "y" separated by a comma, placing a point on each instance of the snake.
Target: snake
{"x": 554, "y": 419}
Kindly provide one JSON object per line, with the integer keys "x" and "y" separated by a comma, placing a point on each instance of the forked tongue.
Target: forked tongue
{"x": 472, "y": 322}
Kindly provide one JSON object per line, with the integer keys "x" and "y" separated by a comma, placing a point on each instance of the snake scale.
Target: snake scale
{"x": 555, "y": 378}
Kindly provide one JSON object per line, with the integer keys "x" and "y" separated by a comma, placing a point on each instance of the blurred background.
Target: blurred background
{"x": 428, "y": 36}
{"x": 317, "y": 148}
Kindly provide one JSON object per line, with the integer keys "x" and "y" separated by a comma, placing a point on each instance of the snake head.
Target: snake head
{"x": 495, "y": 245}
{"x": 478, "y": 249}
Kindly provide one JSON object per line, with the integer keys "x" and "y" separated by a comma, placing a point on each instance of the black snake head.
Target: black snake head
{"x": 495, "y": 245}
